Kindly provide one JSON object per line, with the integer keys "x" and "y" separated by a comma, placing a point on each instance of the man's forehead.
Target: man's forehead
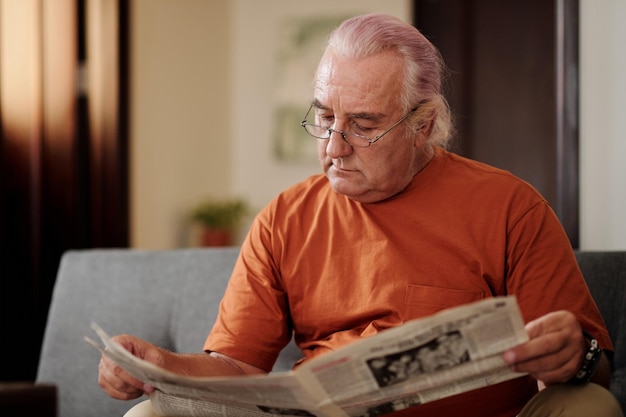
{"x": 371, "y": 113}
{"x": 371, "y": 83}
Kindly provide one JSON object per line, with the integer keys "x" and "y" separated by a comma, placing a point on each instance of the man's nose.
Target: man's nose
{"x": 340, "y": 132}
{"x": 337, "y": 145}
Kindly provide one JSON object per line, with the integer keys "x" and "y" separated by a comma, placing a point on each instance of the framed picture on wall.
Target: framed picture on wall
{"x": 301, "y": 43}
{"x": 276, "y": 46}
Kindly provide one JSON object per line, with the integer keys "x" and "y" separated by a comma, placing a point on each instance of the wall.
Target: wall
{"x": 603, "y": 125}
{"x": 259, "y": 87}
{"x": 203, "y": 84}
{"x": 180, "y": 102}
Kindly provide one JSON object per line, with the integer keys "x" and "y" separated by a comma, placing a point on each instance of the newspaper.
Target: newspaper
{"x": 453, "y": 351}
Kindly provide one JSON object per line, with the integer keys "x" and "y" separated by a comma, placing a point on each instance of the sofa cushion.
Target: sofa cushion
{"x": 167, "y": 297}
{"x": 171, "y": 298}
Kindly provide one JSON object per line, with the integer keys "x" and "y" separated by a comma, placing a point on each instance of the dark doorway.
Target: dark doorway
{"x": 63, "y": 155}
{"x": 513, "y": 88}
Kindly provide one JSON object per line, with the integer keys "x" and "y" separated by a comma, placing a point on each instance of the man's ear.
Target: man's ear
{"x": 429, "y": 126}
{"x": 425, "y": 131}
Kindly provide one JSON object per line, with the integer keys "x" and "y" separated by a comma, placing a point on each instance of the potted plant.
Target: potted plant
{"x": 219, "y": 220}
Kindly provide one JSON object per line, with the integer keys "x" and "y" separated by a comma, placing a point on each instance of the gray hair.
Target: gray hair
{"x": 370, "y": 34}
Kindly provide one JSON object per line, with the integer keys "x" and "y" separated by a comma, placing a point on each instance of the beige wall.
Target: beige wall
{"x": 603, "y": 124}
{"x": 202, "y": 87}
{"x": 264, "y": 80}
{"x": 180, "y": 103}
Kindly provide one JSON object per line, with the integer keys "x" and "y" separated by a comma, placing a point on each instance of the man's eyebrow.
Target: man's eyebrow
{"x": 367, "y": 116}
{"x": 362, "y": 115}
{"x": 318, "y": 105}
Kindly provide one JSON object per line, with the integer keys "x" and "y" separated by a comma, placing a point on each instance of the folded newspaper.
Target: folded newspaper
{"x": 453, "y": 351}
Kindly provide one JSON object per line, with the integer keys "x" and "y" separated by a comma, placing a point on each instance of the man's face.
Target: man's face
{"x": 363, "y": 95}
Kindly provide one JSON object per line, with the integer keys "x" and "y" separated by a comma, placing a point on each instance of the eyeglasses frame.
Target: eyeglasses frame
{"x": 344, "y": 133}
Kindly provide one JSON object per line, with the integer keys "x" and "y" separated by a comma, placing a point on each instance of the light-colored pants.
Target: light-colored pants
{"x": 563, "y": 400}
{"x": 143, "y": 409}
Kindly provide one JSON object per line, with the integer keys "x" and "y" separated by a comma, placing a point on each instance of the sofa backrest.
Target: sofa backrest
{"x": 168, "y": 297}
{"x": 171, "y": 298}
{"x": 605, "y": 273}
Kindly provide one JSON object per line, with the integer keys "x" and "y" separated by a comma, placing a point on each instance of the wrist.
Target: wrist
{"x": 591, "y": 359}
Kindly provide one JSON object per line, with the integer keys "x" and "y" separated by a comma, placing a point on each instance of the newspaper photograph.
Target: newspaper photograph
{"x": 448, "y": 353}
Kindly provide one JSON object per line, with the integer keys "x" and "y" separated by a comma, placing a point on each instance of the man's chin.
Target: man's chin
{"x": 345, "y": 187}
{"x": 355, "y": 192}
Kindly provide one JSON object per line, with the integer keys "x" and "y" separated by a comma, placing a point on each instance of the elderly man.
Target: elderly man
{"x": 394, "y": 229}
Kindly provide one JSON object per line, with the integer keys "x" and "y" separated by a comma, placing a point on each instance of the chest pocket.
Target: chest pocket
{"x": 423, "y": 300}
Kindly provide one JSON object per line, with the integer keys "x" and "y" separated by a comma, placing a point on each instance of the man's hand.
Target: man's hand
{"x": 118, "y": 383}
{"x": 555, "y": 350}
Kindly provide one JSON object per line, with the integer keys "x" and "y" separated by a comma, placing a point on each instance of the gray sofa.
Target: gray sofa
{"x": 605, "y": 273}
{"x": 171, "y": 297}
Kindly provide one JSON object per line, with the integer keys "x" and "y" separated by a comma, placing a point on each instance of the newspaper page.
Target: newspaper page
{"x": 254, "y": 395}
{"x": 426, "y": 359}
{"x": 451, "y": 352}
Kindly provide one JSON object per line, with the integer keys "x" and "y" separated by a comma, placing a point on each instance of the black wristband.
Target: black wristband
{"x": 590, "y": 361}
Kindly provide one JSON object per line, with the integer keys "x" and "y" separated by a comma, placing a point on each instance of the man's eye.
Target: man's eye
{"x": 326, "y": 120}
{"x": 362, "y": 129}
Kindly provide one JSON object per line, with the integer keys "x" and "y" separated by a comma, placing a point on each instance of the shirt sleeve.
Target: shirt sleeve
{"x": 543, "y": 273}
{"x": 253, "y": 324}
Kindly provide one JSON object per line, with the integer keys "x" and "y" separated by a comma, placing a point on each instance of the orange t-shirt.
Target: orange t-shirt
{"x": 333, "y": 270}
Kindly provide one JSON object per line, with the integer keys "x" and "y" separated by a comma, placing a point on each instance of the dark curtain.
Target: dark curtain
{"x": 63, "y": 154}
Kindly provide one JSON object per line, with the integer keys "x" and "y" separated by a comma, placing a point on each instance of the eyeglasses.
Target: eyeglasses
{"x": 353, "y": 138}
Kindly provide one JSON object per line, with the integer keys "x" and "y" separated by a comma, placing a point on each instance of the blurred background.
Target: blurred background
{"x": 118, "y": 117}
